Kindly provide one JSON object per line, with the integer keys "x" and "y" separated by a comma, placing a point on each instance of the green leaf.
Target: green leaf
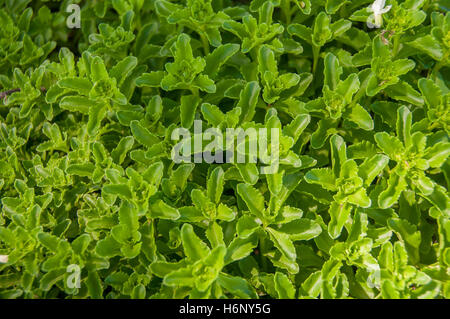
{"x": 390, "y": 145}
{"x": 252, "y": 197}
{"x": 49, "y": 241}
{"x": 301, "y": 31}
{"x": 107, "y": 247}
{"x": 51, "y": 278}
{"x": 332, "y": 71}
{"x": 152, "y": 79}
{"x": 161, "y": 210}
{"x": 215, "y": 184}
{"x": 247, "y": 101}
{"x": 143, "y": 135}
{"x": 372, "y": 167}
{"x": 322, "y": 31}
{"x": 323, "y": 177}
{"x": 219, "y": 57}
{"x": 76, "y": 104}
{"x": 283, "y": 286}
{"x": 246, "y": 226}
{"x": 283, "y": 243}
{"x": 403, "y": 128}
{"x": 402, "y": 91}
{"x": 237, "y": 286}
{"x": 339, "y": 213}
{"x": 240, "y": 248}
{"x": 94, "y": 285}
{"x": 97, "y": 113}
{"x": 120, "y": 152}
{"x": 297, "y": 126}
{"x": 80, "y": 85}
{"x": 428, "y": 45}
{"x": 338, "y": 153}
{"x": 122, "y": 69}
{"x": 86, "y": 169}
{"x": 214, "y": 234}
{"x": 361, "y": 117}
{"x": 408, "y": 235}
{"x": 121, "y": 190}
{"x": 249, "y": 172}
{"x": 437, "y": 154}
{"x": 193, "y": 246}
{"x": 188, "y": 107}
{"x": 301, "y": 229}
{"x": 396, "y": 185}
{"x": 430, "y": 92}
{"x": 180, "y": 277}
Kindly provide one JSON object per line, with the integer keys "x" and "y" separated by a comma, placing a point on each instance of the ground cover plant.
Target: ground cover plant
{"x": 93, "y": 204}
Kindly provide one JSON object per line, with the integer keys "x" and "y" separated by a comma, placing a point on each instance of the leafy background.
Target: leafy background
{"x": 358, "y": 209}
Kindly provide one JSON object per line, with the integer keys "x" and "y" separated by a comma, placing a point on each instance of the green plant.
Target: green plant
{"x": 351, "y": 99}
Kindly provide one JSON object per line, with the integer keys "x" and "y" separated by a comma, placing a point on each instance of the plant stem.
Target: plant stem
{"x": 316, "y": 54}
{"x": 205, "y": 43}
{"x": 396, "y": 45}
{"x": 361, "y": 92}
{"x": 262, "y": 251}
{"x": 6, "y": 93}
{"x": 286, "y": 8}
{"x": 438, "y": 66}
{"x": 194, "y": 91}
{"x": 433, "y": 126}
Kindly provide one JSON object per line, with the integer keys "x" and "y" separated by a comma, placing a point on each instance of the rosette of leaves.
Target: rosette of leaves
{"x": 9, "y": 40}
{"x": 94, "y": 91}
{"x": 216, "y": 118}
{"x": 273, "y": 165}
{"x": 27, "y": 90}
{"x": 274, "y": 84}
{"x": 124, "y": 238}
{"x": 386, "y": 73}
{"x": 332, "y": 280}
{"x": 322, "y": 32}
{"x": 436, "y": 43}
{"x": 201, "y": 271}
{"x": 213, "y": 65}
{"x": 186, "y": 72}
{"x": 207, "y": 207}
{"x": 199, "y": 16}
{"x": 64, "y": 254}
{"x": 276, "y": 224}
{"x": 399, "y": 19}
{"x": 400, "y": 279}
{"x": 111, "y": 41}
{"x": 348, "y": 180}
{"x": 404, "y": 16}
{"x": 138, "y": 189}
{"x": 174, "y": 186}
{"x": 415, "y": 153}
{"x": 28, "y": 242}
{"x": 22, "y": 237}
{"x": 253, "y": 33}
{"x": 437, "y": 101}
{"x": 338, "y": 102}
{"x": 17, "y": 47}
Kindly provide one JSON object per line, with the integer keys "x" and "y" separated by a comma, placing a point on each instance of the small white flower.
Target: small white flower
{"x": 376, "y": 19}
{"x": 3, "y": 259}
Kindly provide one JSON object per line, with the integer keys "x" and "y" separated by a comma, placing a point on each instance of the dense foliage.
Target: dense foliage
{"x": 359, "y": 207}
